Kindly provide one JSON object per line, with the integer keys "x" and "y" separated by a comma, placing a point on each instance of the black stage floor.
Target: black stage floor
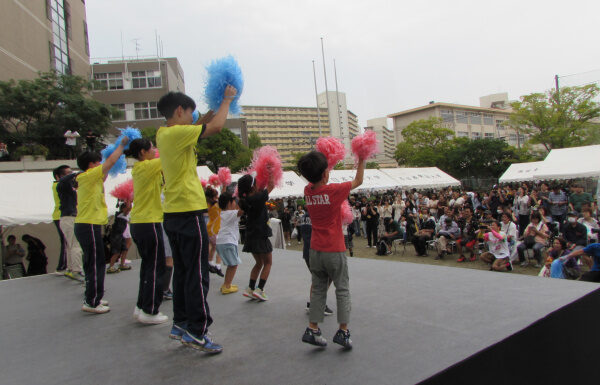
{"x": 409, "y": 322}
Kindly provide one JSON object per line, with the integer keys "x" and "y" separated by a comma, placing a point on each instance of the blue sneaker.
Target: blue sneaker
{"x": 177, "y": 331}
{"x": 204, "y": 343}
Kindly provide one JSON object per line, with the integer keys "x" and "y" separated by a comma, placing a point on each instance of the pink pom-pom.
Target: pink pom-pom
{"x": 224, "y": 174}
{"x": 347, "y": 216}
{"x": 204, "y": 183}
{"x": 123, "y": 191}
{"x": 333, "y": 149}
{"x": 214, "y": 180}
{"x": 365, "y": 146}
{"x": 267, "y": 164}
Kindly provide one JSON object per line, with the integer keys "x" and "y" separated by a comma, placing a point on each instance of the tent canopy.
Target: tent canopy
{"x": 421, "y": 177}
{"x": 520, "y": 172}
{"x": 570, "y": 163}
{"x": 372, "y": 180}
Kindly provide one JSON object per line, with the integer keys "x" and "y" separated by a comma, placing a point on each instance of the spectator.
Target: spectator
{"x": 372, "y": 217}
{"x": 3, "y": 152}
{"x": 469, "y": 225}
{"x": 579, "y": 199}
{"x": 286, "y": 224}
{"x": 574, "y": 232}
{"x": 35, "y": 255}
{"x": 499, "y": 253}
{"x": 14, "y": 253}
{"x": 522, "y": 209}
{"x": 554, "y": 265}
{"x": 391, "y": 233}
{"x": 535, "y": 236}
{"x": 71, "y": 142}
{"x": 90, "y": 140}
{"x": 508, "y": 227}
{"x": 356, "y": 215}
{"x": 298, "y": 217}
{"x": 558, "y": 204}
{"x": 591, "y": 224}
{"x": 591, "y": 257}
{"x": 448, "y": 231}
{"x": 425, "y": 227}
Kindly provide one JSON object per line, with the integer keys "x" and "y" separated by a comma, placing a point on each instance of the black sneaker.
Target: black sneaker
{"x": 328, "y": 311}
{"x": 212, "y": 269}
{"x": 168, "y": 295}
{"x": 218, "y": 271}
{"x": 343, "y": 338}
{"x": 314, "y": 337}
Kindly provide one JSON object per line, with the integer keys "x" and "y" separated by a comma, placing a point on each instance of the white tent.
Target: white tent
{"x": 372, "y": 180}
{"x": 421, "y": 177}
{"x": 519, "y": 172}
{"x": 292, "y": 186}
{"x": 568, "y": 163}
{"x": 203, "y": 172}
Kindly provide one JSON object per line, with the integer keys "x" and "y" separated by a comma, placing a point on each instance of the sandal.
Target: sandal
{"x": 124, "y": 267}
{"x": 112, "y": 269}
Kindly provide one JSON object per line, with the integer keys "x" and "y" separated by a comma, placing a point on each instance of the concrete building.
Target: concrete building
{"x": 134, "y": 87}
{"x": 40, "y": 35}
{"x": 343, "y": 123}
{"x": 387, "y": 142}
{"x": 289, "y": 129}
{"x": 466, "y": 121}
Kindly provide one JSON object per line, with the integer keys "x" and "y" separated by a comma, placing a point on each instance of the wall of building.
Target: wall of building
{"x": 386, "y": 139}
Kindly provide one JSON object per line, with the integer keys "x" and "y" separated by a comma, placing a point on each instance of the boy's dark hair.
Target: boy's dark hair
{"x": 224, "y": 200}
{"x": 168, "y": 103}
{"x": 137, "y": 145}
{"x": 211, "y": 194}
{"x": 11, "y": 237}
{"x": 59, "y": 172}
{"x": 84, "y": 160}
{"x": 312, "y": 166}
{"x": 244, "y": 186}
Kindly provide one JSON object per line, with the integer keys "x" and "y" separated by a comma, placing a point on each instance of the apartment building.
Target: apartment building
{"x": 134, "y": 86}
{"x": 466, "y": 121}
{"x": 40, "y": 35}
{"x": 343, "y": 123}
{"x": 387, "y": 142}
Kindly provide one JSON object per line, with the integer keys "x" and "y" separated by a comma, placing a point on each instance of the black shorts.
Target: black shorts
{"x": 117, "y": 245}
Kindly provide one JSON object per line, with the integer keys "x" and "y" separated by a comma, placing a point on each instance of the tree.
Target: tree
{"x": 149, "y": 133}
{"x": 372, "y": 165}
{"x": 254, "y": 141}
{"x": 425, "y": 143}
{"x": 41, "y": 110}
{"x": 223, "y": 149}
{"x": 558, "y": 119}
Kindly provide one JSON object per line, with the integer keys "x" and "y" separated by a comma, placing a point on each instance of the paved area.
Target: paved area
{"x": 409, "y": 321}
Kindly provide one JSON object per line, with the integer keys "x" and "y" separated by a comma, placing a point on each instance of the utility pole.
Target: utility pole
{"x": 556, "y": 83}
{"x": 326, "y": 89}
{"x": 317, "y": 99}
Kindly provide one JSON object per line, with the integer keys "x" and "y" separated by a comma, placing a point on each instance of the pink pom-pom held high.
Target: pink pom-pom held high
{"x": 333, "y": 149}
{"x": 267, "y": 164}
{"x": 123, "y": 191}
{"x": 365, "y": 146}
{"x": 224, "y": 174}
{"x": 214, "y": 180}
{"x": 204, "y": 183}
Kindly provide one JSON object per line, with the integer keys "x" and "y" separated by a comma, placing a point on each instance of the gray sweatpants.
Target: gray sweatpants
{"x": 326, "y": 267}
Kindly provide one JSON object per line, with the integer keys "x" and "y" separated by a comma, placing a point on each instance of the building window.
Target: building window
{"x": 86, "y": 39}
{"x": 476, "y": 135}
{"x": 488, "y": 119}
{"x": 500, "y": 125}
{"x": 488, "y": 135}
{"x": 120, "y": 114}
{"x": 59, "y": 57}
{"x": 146, "y": 79}
{"x": 461, "y": 117}
{"x": 512, "y": 138}
{"x": 110, "y": 81}
{"x": 462, "y": 134}
{"x": 475, "y": 118}
{"x": 145, "y": 110}
{"x": 447, "y": 116}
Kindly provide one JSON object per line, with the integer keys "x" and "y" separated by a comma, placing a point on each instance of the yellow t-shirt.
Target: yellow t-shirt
{"x": 214, "y": 220}
{"x": 147, "y": 186}
{"x": 183, "y": 190}
{"x": 56, "y": 212}
{"x": 91, "y": 206}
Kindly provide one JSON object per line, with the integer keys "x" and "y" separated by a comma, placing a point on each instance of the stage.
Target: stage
{"x": 409, "y": 322}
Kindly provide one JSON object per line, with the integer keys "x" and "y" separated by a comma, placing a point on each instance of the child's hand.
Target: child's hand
{"x": 124, "y": 141}
{"x": 230, "y": 92}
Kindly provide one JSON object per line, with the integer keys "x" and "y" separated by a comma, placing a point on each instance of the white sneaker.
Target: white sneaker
{"x": 248, "y": 293}
{"x": 136, "y": 312}
{"x": 260, "y": 295}
{"x": 152, "y": 319}
{"x": 100, "y": 309}
{"x": 104, "y": 302}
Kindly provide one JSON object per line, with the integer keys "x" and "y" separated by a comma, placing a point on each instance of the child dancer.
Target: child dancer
{"x": 213, "y": 226}
{"x": 147, "y": 230}
{"x": 327, "y": 250}
{"x": 183, "y": 208}
{"x": 228, "y": 238}
{"x": 118, "y": 242}
{"x": 91, "y": 216}
{"x": 257, "y": 242}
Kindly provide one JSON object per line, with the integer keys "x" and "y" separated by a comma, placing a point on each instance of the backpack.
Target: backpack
{"x": 382, "y": 248}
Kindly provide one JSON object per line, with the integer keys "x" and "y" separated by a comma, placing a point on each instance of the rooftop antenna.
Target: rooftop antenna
{"x": 136, "y": 41}
{"x": 156, "y": 42}
{"x": 326, "y": 89}
{"x": 317, "y": 98}
{"x": 122, "y": 54}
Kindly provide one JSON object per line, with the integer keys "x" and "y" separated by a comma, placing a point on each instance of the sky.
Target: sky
{"x": 390, "y": 55}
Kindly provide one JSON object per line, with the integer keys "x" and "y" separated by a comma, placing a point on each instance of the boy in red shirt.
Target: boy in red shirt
{"x": 327, "y": 249}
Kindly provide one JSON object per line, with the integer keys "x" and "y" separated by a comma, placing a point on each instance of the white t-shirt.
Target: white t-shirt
{"x": 523, "y": 205}
{"x": 230, "y": 228}
{"x": 498, "y": 247}
{"x": 71, "y": 138}
{"x": 509, "y": 229}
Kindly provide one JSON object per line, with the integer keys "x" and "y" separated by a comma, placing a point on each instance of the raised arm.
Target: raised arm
{"x": 112, "y": 159}
{"x": 360, "y": 172}
{"x": 214, "y": 125}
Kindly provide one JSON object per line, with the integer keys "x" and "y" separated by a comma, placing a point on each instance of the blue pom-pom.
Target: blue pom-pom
{"x": 221, "y": 73}
{"x": 120, "y": 167}
{"x": 131, "y": 133}
{"x": 196, "y": 116}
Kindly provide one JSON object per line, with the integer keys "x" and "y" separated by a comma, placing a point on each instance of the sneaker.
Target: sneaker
{"x": 509, "y": 266}
{"x": 112, "y": 270}
{"x": 168, "y": 295}
{"x": 104, "y": 302}
{"x": 100, "y": 309}
{"x": 461, "y": 259}
{"x": 75, "y": 276}
{"x": 177, "y": 331}
{"x": 314, "y": 337}
{"x": 124, "y": 267}
{"x": 204, "y": 343}
{"x": 60, "y": 272}
{"x": 473, "y": 258}
{"x": 343, "y": 338}
{"x": 328, "y": 311}
{"x": 136, "y": 312}
{"x": 153, "y": 319}
{"x": 219, "y": 272}
{"x": 524, "y": 264}
{"x": 248, "y": 293}
{"x": 229, "y": 290}
{"x": 260, "y": 295}
{"x": 212, "y": 269}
